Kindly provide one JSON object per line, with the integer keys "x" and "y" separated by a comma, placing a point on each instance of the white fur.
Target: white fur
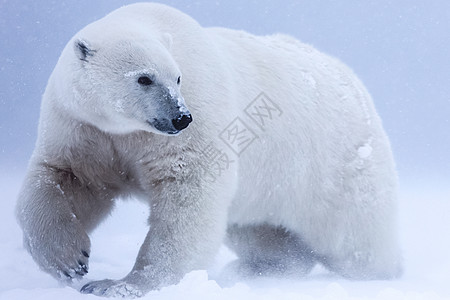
{"x": 321, "y": 169}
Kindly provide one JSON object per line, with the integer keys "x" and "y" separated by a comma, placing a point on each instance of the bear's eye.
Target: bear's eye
{"x": 179, "y": 80}
{"x": 145, "y": 80}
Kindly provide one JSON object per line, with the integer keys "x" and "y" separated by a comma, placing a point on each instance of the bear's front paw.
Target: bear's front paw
{"x": 74, "y": 268}
{"x": 65, "y": 255}
{"x": 112, "y": 288}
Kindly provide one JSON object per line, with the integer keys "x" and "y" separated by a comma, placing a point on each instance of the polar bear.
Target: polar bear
{"x": 263, "y": 142}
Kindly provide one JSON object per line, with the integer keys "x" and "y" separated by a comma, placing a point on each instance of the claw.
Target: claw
{"x": 83, "y": 266}
{"x": 87, "y": 289}
{"x": 67, "y": 275}
{"x": 81, "y": 272}
{"x": 82, "y": 269}
{"x": 85, "y": 269}
{"x": 112, "y": 288}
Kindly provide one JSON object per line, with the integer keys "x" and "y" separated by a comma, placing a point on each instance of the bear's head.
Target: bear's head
{"x": 128, "y": 85}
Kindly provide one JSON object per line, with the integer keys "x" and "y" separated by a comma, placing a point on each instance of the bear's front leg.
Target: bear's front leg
{"x": 187, "y": 225}
{"x": 48, "y": 211}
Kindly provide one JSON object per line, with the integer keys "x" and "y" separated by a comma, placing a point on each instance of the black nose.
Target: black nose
{"x": 182, "y": 122}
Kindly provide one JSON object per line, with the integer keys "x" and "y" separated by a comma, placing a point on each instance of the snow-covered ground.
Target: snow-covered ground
{"x": 425, "y": 227}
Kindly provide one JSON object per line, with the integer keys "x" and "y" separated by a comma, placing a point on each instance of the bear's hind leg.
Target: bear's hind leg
{"x": 267, "y": 250}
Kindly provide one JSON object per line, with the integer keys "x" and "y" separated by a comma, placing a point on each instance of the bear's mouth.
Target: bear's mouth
{"x": 164, "y": 126}
{"x": 172, "y": 126}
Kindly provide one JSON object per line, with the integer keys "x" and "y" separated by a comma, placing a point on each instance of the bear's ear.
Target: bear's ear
{"x": 83, "y": 50}
{"x": 166, "y": 40}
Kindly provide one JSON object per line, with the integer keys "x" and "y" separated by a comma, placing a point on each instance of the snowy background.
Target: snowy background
{"x": 399, "y": 48}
